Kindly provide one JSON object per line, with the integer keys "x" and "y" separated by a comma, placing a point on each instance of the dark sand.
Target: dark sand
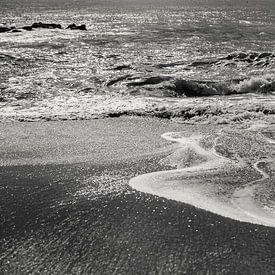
{"x": 66, "y": 206}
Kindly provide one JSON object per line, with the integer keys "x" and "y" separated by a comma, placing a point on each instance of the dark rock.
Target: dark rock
{"x": 27, "y": 28}
{"x": 82, "y": 27}
{"x": 15, "y": 30}
{"x": 71, "y": 26}
{"x": 5, "y": 29}
{"x": 75, "y": 27}
{"x": 46, "y": 25}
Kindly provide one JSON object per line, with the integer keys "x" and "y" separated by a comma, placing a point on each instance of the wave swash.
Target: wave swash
{"x": 223, "y": 174}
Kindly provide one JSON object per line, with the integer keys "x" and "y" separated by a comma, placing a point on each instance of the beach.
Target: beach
{"x": 81, "y": 215}
{"x": 137, "y": 137}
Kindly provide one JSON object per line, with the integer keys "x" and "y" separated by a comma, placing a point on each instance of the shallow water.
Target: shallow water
{"x": 81, "y": 216}
{"x": 224, "y": 178}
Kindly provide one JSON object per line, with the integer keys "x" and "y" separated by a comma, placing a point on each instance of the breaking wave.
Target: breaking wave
{"x": 232, "y": 87}
{"x": 169, "y": 86}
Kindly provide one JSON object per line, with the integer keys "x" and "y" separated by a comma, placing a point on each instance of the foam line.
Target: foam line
{"x": 187, "y": 185}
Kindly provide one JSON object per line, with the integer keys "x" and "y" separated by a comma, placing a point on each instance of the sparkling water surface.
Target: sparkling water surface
{"x": 129, "y": 41}
{"x": 66, "y": 208}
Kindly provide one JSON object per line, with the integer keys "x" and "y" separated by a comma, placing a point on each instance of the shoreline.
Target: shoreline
{"x": 178, "y": 184}
{"x": 216, "y": 109}
{"x": 176, "y": 97}
{"x": 53, "y": 212}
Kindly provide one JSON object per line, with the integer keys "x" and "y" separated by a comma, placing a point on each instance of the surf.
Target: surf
{"x": 207, "y": 185}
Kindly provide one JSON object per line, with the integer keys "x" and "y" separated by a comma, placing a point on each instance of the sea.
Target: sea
{"x": 137, "y": 57}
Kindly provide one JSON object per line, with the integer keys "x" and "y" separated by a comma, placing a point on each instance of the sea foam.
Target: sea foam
{"x": 210, "y": 185}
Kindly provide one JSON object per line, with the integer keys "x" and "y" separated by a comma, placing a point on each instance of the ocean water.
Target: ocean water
{"x": 67, "y": 204}
{"x": 134, "y": 55}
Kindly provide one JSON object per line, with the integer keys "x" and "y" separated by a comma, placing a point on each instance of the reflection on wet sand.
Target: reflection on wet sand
{"x": 81, "y": 216}
{"x": 210, "y": 181}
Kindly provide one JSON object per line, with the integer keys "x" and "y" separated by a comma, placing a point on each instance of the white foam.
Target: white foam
{"x": 188, "y": 185}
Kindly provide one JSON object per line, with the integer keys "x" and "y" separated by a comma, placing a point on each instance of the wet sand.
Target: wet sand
{"x": 204, "y": 184}
{"x": 66, "y": 206}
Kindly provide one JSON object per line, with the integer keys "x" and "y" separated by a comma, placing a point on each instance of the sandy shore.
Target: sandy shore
{"x": 186, "y": 184}
{"x": 66, "y": 206}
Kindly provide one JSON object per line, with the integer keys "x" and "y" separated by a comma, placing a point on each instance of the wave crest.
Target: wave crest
{"x": 196, "y": 88}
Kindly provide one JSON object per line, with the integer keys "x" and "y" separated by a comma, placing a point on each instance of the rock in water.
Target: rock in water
{"x": 27, "y": 28}
{"x": 46, "y": 25}
{"x": 75, "y": 27}
{"x": 6, "y": 29}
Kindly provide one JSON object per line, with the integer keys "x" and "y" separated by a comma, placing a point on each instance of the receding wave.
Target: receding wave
{"x": 221, "y": 174}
